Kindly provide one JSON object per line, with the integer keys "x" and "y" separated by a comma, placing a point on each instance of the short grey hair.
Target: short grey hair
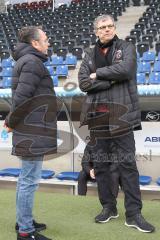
{"x": 102, "y": 18}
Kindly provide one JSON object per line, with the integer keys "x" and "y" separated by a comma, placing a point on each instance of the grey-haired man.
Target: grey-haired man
{"x": 111, "y": 111}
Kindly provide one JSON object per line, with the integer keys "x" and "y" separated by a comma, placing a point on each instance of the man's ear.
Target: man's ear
{"x": 96, "y": 34}
{"x": 34, "y": 43}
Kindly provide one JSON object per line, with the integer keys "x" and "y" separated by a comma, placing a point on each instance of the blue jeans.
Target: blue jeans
{"x": 26, "y": 186}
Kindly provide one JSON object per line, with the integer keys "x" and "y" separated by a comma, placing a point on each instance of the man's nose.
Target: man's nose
{"x": 107, "y": 28}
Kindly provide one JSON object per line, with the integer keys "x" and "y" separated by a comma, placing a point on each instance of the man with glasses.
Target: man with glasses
{"x": 31, "y": 83}
{"x": 111, "y": 111}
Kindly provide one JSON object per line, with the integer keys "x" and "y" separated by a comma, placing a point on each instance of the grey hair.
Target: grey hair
{"x": 29, "y": 33}
{"x": 102, "y": 18}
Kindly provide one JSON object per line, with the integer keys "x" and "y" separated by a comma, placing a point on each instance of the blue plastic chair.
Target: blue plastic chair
{"x": 48, "y": 62}
{"x": 50, "y": 69}
{"x": 156, "y": 67}
{"x": 57, "y": 60}
{"x": 154, "y": 78}
{"x": 10, "y": 172}
{"x": 62, "y": 70}
{"x": 8, "y": 62}
{"x": 149, "y": 56}
{"x": 6, "y": 82}
{"x": 144, "y": 180}
{"x": 7, "y": 72}
{"x": 55, "y": 80}
{"x": 144, "y": 67}
{"x": 14, "y": 172}
{"x": 70, "y": 60}
{"x": 68, "y": 176}
{"x": 46, "y": 174}
{"x": 141, "y": 78}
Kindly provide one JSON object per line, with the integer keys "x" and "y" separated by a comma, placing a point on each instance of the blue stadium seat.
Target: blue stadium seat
{"x": 14, "y": 172}
{"x": 10, "y": 172}
{"x": 62, "y": 70}
{"x": 156, "y": 67}
{"x": 7, "y": 72}
{"x": 144, "y": 67}
{"x": 149, "y": 56}
{"x": 57, "y": 60}
{"x": 48, "y": 62}
{"x": 144, "y": 180}
{"x": 55, "y": 80}
{"x": 46, "y": 174}
{"x": 50, "y": 69}
{"x": 6, "y": 82}
{"x": 141, "y": 78}
{"x": 70, "y": 60}
{"x": 8, "y": 62}
{"x": 154, "y": 78}
{"x": 68, "y": 176}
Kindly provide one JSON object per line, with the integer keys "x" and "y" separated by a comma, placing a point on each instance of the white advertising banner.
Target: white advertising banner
{"x": 148, "y": 140}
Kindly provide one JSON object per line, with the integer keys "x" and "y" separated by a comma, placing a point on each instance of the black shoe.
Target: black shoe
{"x": 38, "y": 226}
{"x": 106, "y": 215}
{"x": 138, "y": 221}
{"x": 32, "y": 236}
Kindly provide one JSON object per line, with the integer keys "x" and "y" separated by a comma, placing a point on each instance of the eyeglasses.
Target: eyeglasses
{"x": 106, "y": 26}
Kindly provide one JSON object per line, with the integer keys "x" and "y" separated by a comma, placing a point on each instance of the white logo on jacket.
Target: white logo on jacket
{"x": 118, "y": 55}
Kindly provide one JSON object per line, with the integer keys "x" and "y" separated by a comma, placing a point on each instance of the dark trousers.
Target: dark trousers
{"x": 122, "y": 151}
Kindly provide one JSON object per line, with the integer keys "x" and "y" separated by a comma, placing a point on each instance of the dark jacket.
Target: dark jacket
{"x": 115, "y": 87}
{"x": 33, "y": 124}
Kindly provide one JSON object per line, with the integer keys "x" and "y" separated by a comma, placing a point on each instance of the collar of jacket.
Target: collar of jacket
{"x": 106, "y": 45}
{"x": 25, "y": 48}
{"x": 91, "y": 51}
